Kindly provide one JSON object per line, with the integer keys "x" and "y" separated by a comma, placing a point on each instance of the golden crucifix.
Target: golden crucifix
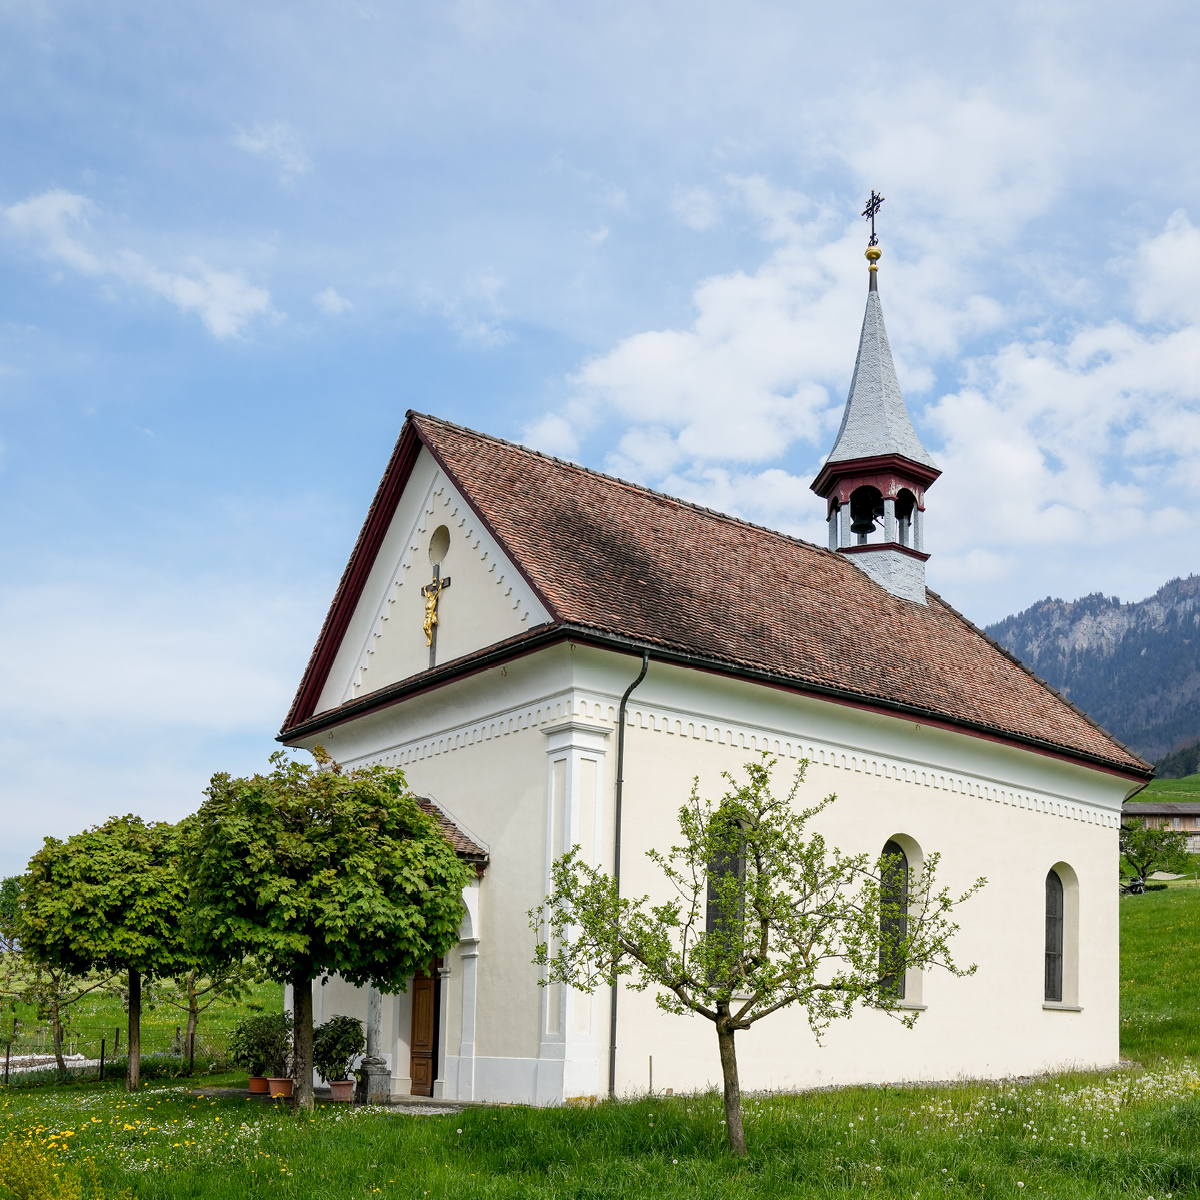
{"x": 431, "y": 592}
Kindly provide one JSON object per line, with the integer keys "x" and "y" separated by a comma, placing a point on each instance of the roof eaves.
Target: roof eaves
{"x": 545, "y": 635}
{"x": 1037, "y": 678}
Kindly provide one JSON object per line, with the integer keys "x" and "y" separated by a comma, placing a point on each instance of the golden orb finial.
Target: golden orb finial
{"x": 873, "y": 255}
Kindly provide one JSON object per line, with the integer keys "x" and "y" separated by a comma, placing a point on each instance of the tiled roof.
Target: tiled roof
{"x": 632, "y": 564}
{"x": 464, "y": 846}
{"x": 1161, "y": 808}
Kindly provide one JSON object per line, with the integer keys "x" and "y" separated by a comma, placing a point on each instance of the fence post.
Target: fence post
{"x": 101, "y": 1060}
{"x": 7, "y": 1052}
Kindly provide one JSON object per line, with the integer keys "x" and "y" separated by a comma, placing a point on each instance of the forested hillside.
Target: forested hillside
{"x": 1134, "y": 668}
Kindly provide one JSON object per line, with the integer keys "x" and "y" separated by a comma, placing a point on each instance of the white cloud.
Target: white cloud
{"x": 765, "y": 363}
{"x": 476, "y": 312}
{"x": 331, "y": 302}
{"x": 1060, "y": 452}
{"x": 279, "y": 142}
{"x": 696, "y": 207}
{"x": 58, "y": 222}
{"x": 552, "y": 434}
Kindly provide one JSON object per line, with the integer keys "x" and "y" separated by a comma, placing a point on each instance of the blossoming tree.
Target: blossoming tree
{"x": 760, "y": 916}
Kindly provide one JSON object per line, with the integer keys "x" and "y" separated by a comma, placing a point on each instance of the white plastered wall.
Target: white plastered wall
{"x": 481, "y": 748}
{"x": 487, "y": 601}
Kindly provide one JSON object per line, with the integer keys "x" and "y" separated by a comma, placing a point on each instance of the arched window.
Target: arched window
{"x": 893, "y": 919}
{"x": 1054, "y": 937}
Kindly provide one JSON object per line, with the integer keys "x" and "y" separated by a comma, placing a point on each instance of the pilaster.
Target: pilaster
{"x": 568, "y": 1058}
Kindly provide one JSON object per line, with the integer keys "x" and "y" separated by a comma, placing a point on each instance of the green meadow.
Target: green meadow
{"x": 1132, "y": 1133}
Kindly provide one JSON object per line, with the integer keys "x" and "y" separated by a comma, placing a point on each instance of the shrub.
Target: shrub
{"x": 28, "y": 1172}
{"x": 336, "y": 1044}
{"x": 263, "y": 1044}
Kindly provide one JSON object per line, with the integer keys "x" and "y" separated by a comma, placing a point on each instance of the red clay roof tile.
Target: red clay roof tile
{"x": 624, "y": 561}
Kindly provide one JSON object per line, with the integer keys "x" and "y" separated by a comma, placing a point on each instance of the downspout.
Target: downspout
{"x": 612, "y": 1031}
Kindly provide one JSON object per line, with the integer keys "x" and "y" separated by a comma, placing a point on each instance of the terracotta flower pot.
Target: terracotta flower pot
{"x": 342, "y": 1089}
{"x": 279, "y": 1087}
{"x": 258, "y": 1085}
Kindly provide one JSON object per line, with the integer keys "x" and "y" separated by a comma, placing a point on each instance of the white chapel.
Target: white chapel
{"x": 499, "y": 612}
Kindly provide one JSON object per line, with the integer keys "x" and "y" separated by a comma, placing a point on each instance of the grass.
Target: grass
{"x": 1160, "y": 974}
{"x": 1125, "y": 1135}
{"x": 1187, "y": 788}
{"x": 98, "y": 1016}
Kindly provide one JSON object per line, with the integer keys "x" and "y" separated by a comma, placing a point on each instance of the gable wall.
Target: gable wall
{"x": 486, "y": 602}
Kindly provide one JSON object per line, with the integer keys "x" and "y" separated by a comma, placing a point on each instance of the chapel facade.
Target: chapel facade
{"x": 498, "y": 606}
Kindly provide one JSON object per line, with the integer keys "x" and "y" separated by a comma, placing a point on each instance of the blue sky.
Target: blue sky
{"x": 238, "y": 242}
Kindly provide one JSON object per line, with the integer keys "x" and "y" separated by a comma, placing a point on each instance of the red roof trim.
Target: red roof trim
{"x": 354, "y": 578}
{"x": 831, "y": 472}
{"x": 875, "y": 547}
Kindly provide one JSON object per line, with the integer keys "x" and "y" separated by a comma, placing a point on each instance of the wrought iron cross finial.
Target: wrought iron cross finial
{"x": 869, "y": 212}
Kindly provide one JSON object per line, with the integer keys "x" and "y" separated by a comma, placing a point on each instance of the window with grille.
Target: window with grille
{"x": 893, "y": 919}
{"x": 1054, "y": 937}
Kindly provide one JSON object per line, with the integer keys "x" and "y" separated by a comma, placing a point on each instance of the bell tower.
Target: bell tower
{"x": 876, "y": 475}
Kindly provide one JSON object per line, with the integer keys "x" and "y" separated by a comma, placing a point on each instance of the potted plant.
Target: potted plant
{"x": 336, "y": 1045}
{"x": 262, "y": 1045}
{"x": 277, "y": 1042}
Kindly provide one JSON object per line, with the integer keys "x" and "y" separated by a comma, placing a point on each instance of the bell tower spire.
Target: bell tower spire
{"x": 876, "y": 475}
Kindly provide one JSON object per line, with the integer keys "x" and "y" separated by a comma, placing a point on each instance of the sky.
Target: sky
{"x": 238, "y": 242}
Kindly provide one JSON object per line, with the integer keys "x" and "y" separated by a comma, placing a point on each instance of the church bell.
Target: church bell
{"x": 866, "y": 505}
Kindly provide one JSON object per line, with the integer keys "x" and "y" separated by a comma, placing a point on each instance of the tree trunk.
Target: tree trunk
{"x": 56, "y": 1027}
{"x": 733, "y": 1091}
{"x": 192, "y": 1021}
{"x": 302, "y": 1060}
{"x": 133, "y": 1043}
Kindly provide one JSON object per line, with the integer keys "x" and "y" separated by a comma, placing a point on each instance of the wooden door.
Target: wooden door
{"x": 423, "y": 1043}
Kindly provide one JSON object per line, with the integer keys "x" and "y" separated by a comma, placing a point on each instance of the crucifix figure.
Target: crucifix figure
{"x": 869, "y": 212}
{"x": 431, "y": 592}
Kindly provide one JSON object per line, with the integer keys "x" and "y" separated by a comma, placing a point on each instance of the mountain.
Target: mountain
{"x": 1134, "y": 668}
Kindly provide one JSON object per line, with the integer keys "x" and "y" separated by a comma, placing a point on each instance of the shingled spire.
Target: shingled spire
{"x": 875, "y": 477}
{"x": 876, "y": 420}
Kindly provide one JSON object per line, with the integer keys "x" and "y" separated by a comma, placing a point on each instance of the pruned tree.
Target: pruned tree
{"x": 761, "y": 916}
{"x": 316, "y": 870}
{"x": 1147, "y": 848}
{"x": 110, "y": 899}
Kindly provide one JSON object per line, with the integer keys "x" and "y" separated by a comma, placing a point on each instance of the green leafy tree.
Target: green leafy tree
{"x": 195, "y": 991}
{"x": 10, "y": 912}
{"x": 107, "y": 900}
{"x": 1147, "y": 848}
{"x": 10, "y": 959}
{"x": 760, "y": 917}
{"x": 313, "y": 870}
